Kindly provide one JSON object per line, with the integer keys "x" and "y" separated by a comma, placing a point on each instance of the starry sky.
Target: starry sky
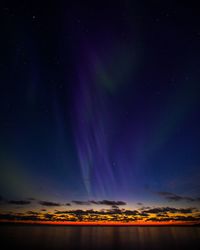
{"x": 99, "y": 107}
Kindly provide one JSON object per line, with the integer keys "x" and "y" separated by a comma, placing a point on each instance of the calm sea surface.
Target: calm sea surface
{"x": 91, "y": 237}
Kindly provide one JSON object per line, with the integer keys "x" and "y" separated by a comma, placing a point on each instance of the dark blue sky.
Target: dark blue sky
{"x": 100, "y": 101}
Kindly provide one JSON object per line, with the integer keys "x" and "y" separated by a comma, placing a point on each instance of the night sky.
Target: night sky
{"x": 99, "y": 110}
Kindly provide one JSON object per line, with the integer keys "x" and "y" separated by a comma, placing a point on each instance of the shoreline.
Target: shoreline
{"x": 93, "y": 224}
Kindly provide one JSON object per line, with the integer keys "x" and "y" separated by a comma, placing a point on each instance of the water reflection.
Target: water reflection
{"x": 79, "y": 237}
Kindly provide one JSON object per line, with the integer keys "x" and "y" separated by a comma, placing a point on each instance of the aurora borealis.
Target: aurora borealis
{"x": 100, "y": 112}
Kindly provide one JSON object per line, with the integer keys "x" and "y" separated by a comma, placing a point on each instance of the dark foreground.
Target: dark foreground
{"x": 91, "y": 237}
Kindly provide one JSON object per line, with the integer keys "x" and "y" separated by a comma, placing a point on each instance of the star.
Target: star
{"x": 114, "y": 163}
{"x": 157, "y": 92}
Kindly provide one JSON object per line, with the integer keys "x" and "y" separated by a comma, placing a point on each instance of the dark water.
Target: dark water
{"x": 77, "y": 237}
